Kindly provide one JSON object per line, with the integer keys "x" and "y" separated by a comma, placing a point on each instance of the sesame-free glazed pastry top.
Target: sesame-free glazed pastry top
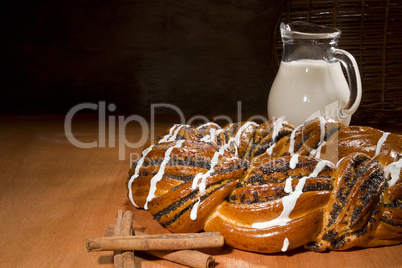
{"x": 274, "y": 187}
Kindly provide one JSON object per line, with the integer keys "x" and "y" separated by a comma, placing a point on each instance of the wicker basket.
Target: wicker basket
{"x": 372, "y": 33}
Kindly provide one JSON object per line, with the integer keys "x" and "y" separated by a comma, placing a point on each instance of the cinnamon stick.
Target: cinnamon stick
{"x": 122, "y": 227}
{"x": 126, "y": 230}
{"x": 118, "y": 223}
{"x": 128, "y": 259}
{"x": 156, "y": 242}
{"x": 191, "y": 258}
{"x": 127, "y": 223}
{"x": 117, "y": 255}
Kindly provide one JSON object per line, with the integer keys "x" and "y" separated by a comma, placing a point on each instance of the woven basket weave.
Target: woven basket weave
{"x": 372, "y": 33}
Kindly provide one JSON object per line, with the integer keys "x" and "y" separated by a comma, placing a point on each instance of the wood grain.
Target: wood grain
{"x": 55, "y": 195}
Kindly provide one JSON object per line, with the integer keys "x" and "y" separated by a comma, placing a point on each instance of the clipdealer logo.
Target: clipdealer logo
{"x": 104, "y": 128}
{"x": 109, "y": 123}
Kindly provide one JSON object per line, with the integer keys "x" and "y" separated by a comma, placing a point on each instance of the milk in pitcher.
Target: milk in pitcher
{"x": 306, "y": 89}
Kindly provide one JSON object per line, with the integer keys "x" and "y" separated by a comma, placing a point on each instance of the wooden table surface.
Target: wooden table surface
{"x": 54, "y": 195}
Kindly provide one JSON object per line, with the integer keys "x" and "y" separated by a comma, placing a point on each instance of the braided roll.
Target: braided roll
{"x": 275, "y": 187}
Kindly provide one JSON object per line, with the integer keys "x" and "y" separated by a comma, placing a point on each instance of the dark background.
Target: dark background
{"x": 202, "y": 56}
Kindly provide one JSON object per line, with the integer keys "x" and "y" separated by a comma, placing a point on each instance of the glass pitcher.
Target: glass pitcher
{"x": 310, "y": 81}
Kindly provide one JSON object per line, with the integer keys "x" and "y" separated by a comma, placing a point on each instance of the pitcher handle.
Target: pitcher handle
{"x": 355, "y": 83}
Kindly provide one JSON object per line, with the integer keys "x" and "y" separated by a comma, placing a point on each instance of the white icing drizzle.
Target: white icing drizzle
{"x": 211, "y": 137}
{"x": 227, "y": 146}
{"x": 394, "y": 169}
{"x": 340, "y": 160}
{"x": 380, "y": 143}
{"x": 155, "y": 179}
{"x": 200, "y": 180}
{"x": 322, "y": 128}
{"x": 206, "y": 138}
{"x": 208, "y": 124}
{"x": 203, "y": 177}
{"x": 236, "y": 138}
{"x": 194, "y": 210}
{"x": 292, "y": 140}
{"x": 240, "y": 131}
{"x": 288, "y": 203}
{"x": 270, "y": 149}
{"x": 290, "y": 200}
{"x": 319, "y": 167}
{"x": 196, "y": 180}
{"x": 214, "y": 133}
{"x": 136, "y": 174}
{"x": 317, "y": 152}
{"x": 166, "y": 137}
{"x": 285, "y": 244}
{"x": 172, "y": 136}
{"x": 277, "y": 127}
{"x": 288, "y": 185}
{"x": 293, "y": 161}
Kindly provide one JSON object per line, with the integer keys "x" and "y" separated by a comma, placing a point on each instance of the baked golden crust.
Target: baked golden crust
{"x": 354, "y": 208}
{"x": 360, "y": 139}
{"x": 257, "y": 200}
{"x": 274, "y": 187}
{"x": 174, "y": 194}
